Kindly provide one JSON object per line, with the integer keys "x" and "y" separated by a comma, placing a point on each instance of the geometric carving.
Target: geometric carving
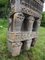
{"x": 18, "y": 36}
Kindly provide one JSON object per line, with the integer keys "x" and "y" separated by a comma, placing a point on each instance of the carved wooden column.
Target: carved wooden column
{"x": 14, "y": 30}
{"x": 38, "y": 23}
{"x": 35, "y": 32}
{"x": 24, "y": 21}
{"x": 31, "y": 21}
{"x": 18, "y": 20}
{"x": 27, "y": 43}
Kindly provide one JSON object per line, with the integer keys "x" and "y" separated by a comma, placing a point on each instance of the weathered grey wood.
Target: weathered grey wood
{"x": 14, "y": 47}
{"x": 18, "y": 36}
{"x": 21, "y": 36}
{"x": 33, "y": 42}
{"x": 24, "y": 21}
{"x": 31, "y": 21}
{"x": 27, "y": 44}
{"x": 17, "y": 7}
{"x": 17, "y": 21}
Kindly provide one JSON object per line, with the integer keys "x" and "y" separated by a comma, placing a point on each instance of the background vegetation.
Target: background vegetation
{"x": 4, "y": 8}
{"x": 43, "y": 19}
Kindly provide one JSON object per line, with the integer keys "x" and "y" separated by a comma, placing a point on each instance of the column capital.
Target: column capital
{"x": 31, "y": 18}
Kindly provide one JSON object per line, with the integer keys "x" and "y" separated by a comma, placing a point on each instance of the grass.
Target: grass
{"x": 36, "y": 53}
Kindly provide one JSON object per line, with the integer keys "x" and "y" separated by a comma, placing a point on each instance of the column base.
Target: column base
{"x": 14, "y": 48}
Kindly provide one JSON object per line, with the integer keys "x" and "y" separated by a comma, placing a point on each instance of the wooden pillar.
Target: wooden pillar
{"x": 27, "y": 43}
{"x": 18, "y": 20}
{"x": 33, "y": 42}
{"x": 31, "y": 21}
{"x": 38, "y": 21}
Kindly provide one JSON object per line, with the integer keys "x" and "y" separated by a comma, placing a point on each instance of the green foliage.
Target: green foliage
{"x": 4, "y": 8}
{"x": 43, "y": 19}
{"x": 3, "y": 23}
{"x": 3, "y": 1}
